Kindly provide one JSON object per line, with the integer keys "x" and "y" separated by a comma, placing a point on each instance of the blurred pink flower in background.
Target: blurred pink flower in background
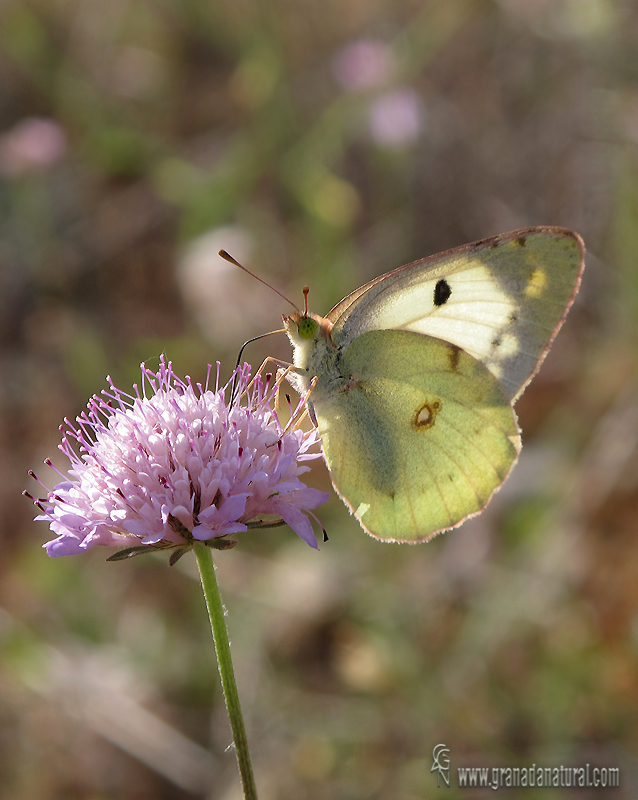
{"x": 34, "y": 144}
{"x": 210, "y": 287}
{"x": 363, "y": 64}
{"x": 396, "y": 118}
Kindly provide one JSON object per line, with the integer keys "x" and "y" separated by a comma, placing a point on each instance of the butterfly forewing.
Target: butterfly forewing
{"x": 502, "y": 300}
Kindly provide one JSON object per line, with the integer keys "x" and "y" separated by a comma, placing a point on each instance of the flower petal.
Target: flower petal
{"x": 63, "y": 546}
{"x": 299, "y": 522}
{"x": 203, "y": 533}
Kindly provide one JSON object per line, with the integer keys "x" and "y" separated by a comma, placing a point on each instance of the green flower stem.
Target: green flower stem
{"x": 225, "y": 664}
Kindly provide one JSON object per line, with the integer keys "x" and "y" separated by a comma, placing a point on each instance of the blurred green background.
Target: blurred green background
{"x": 322, "y": 144}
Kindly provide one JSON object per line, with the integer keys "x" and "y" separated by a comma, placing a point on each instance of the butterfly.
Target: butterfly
{"x": 413, "y": 377}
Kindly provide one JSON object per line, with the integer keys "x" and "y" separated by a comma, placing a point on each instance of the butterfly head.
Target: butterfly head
{"x": 305, "y": 328}
{"x": 309, "y": 335}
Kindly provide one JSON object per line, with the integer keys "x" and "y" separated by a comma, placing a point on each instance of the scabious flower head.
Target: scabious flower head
{"x": 178, "y": 463}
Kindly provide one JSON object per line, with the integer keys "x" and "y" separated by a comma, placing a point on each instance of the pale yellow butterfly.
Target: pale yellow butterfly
{"x": 417, "y": 373}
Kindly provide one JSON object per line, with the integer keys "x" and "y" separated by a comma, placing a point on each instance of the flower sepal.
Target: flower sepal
{"x": 221, "y": 543}
{"x": 140, "y": 549}
{"x": 272, "y": 522}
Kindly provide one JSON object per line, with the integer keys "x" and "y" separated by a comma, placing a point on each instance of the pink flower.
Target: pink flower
{"x": 33, "y": 145}
{"x": 363, "y": 64}
{"x": 396, "y": 118}
{"x": 179, "y": 463}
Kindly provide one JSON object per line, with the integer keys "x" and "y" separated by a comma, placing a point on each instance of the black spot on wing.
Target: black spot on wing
{"x": 521, "y": 241}
{"x": 442, "y": 292}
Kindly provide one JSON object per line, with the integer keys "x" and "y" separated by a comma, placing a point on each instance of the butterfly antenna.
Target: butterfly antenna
{"x": 227, "y": 257}
{"x": 306, "y": 289}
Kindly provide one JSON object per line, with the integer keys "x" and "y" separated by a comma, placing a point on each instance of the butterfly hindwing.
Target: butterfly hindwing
{"x": 417, "y": 433}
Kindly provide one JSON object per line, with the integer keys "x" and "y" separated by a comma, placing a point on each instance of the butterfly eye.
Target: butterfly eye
{"x": 307, "y": 327}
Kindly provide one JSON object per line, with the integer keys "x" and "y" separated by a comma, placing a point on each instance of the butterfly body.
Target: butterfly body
{"x": 414, "y": 376}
